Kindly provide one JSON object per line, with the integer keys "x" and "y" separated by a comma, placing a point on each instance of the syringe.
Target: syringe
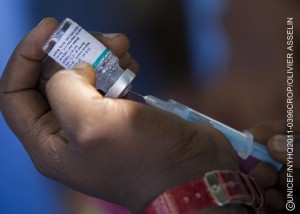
{"x": 242, "y": 142}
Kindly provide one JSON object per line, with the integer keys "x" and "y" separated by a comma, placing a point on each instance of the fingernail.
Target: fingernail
{"x": 278, "y": 143}
{"x": 110, "y": 35}
{"x": 41, "y": 21}
{"x": 82, "y": 65}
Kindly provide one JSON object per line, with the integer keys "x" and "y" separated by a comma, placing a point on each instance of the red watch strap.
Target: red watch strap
{"x": 217, "y": 188}
{"x": 183, "y": 199}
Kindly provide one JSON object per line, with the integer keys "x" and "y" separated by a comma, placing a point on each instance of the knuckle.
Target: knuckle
{"x": 43, "y": 168}
{"x": 48, "y": 168}
{"x": 48, "y": 160}
{"x": 126, "y": 41}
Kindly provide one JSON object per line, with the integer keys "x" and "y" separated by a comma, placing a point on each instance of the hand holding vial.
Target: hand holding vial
{"x": 70, "y": 44}
{"x": 114, "y": 149}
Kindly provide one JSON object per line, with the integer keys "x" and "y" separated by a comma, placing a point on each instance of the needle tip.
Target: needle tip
{"x": 131, "y": 95}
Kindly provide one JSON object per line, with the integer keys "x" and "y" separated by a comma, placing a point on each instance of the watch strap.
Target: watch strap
{"x": 217, "y": 188}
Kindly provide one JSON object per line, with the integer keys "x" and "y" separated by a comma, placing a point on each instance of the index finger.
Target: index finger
{"x": 23, "y": 69}
{"x": 24, "y": 108}
{"x": 262, "y": 132}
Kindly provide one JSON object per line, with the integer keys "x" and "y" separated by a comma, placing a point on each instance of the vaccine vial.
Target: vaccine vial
{"x": 70, "y": 44}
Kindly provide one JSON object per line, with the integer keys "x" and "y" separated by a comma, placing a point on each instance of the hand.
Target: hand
{"x": 273, "y": 135}
{"x": 114, "y": 149}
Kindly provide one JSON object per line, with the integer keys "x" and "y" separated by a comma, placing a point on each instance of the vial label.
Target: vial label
{"x": 70, "y": 44}
{"x": 77, "y": 45}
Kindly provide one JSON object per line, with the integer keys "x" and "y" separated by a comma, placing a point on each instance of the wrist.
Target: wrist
{"x": 192, "y": 161}
{"x": 216, "y": 189}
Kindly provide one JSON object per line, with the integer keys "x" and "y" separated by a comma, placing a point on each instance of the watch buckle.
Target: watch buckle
{"x": 216, "y": 188}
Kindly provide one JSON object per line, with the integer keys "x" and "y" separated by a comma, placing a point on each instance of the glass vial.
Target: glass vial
{"x": 70, "y": 44}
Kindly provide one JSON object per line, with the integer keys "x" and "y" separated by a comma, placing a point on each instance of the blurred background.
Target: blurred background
{"x": 225, "y": 58}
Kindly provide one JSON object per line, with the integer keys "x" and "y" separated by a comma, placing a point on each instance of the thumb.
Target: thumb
{"x": 87, "y": 72}
{"x": 75, "y": 100}
{"x": 283, "y": 147}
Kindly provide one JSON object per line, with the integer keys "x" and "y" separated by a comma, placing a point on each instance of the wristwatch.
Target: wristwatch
{"x": 217, "y": 188}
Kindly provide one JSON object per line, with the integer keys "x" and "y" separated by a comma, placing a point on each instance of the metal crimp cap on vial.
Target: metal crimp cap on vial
{"x": 122, "y": 85}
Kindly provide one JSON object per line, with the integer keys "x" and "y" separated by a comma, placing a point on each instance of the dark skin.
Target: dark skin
{"x": 113, "y": 149}
{"x": 273, "y": 135}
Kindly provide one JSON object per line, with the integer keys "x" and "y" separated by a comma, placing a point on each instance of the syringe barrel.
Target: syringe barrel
{"x": 242, "y": 142}
{"x": 260, "y": 152}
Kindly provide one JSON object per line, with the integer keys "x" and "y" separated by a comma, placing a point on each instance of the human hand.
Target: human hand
{"x": 273, "y": 135}
{"x": 114, "y": 149}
